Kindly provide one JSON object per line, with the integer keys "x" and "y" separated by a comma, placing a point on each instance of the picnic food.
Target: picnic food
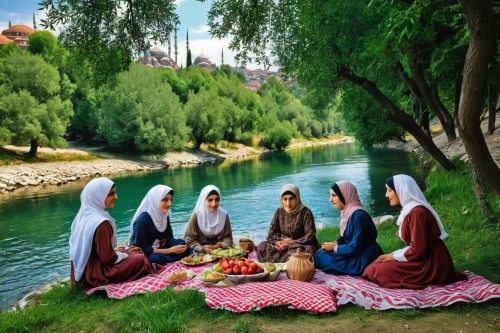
{"x": 176, "y": 276}
{"x": 233, "y": 252}
{"x": 211, "y": 275}
{"x": 238, "y": 267}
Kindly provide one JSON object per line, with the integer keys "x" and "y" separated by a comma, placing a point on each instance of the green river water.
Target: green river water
{"x": 35, "y": 222}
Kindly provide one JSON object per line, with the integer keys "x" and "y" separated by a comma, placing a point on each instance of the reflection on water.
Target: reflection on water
{"x": 35, "y": 222}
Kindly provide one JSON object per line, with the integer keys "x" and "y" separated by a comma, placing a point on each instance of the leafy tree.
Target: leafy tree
{"x": 7, "y": 49}
{"x": 31, "y": 106}
{"x": 46, "y": 44}
{"x": 142, "y": 113}
{"x": 107, "y": 33}
{"x": 188, "y": 59}
{"x": 281, "y": 136}
{"x": 205, "y": 117}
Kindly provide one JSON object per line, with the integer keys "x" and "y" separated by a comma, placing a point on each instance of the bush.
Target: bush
{"x": 280, "y": 137}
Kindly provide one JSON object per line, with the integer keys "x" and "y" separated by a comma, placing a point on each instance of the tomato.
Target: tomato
{"x": 224, "y": 265}
{"x": 241, "y": 263}
{"x": 253, "y": 266}
{"x": 228, "y": 271}
{"x": 231, "y": 263}
{"x": 244, "y": 270}
{"x": 250, "y": 271}
{"x": 237, "y": 269}
{"x": 247, "y": 262}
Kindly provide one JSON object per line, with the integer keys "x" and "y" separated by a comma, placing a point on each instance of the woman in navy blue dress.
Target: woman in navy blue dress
{"x": 357, "y": 245}
{"x": 151, "y": 222}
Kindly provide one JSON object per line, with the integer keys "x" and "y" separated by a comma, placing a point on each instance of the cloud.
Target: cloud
{"x": 178, "y": 2}
{"x": 200, "y": 30}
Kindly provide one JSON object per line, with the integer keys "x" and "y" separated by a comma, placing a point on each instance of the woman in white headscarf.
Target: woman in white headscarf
{"x": 426, "y": 260}
{"x": 94, "y": 262}
{"x": 209, "y": 227}
{"x": 292, "y": 227}
{"x": 151, "y": 223}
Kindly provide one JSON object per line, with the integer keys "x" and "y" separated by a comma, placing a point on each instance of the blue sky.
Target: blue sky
{"x": 192, "y": 15}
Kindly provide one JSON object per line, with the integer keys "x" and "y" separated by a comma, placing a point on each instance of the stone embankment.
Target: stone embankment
{"x": 57, "y": 173}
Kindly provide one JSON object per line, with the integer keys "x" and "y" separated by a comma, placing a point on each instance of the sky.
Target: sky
{"x": 192, "y": 16}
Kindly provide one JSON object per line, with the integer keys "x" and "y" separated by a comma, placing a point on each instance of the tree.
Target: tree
{"x": 188, "y": 59}
{"x": 46, "y": 44}
{"x": 32, "y": 108}
{"x": 281, "y": 136}
{"x": 484, "y": 28}
{"x": 308, "y": 35}
{"x": 108, "y": 32}
{"x": 143, "y": 114}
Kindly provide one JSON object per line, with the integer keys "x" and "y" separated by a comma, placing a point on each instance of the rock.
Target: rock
{"x": 382, "y": 219}
{"x": 72, "y": 179}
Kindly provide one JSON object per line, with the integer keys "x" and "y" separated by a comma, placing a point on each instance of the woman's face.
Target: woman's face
{"x": 289, "y": 202}
{"x": 212, "y": 202}
{"x": 165, "y": 203}
{"x": 335, "y": 200}
{"x": 392, "y": 196}
{"x": 109, "y": 202}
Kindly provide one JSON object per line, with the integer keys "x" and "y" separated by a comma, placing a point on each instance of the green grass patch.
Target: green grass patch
{"x": 11, "y": 157}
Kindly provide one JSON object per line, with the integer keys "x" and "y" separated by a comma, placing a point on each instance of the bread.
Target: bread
{"x": 176, "y": 276}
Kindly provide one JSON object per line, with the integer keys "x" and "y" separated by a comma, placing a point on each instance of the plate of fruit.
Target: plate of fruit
{"x": 232, "y": 252}
{"x": 273, "y": 269}
{"x": 192, "y": 260}
{"x": 211, "y": 277}
{"x": 241, "y": 270}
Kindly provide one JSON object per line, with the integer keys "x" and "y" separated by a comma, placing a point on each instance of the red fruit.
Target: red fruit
{"x": 247, "y": 262}
{"x": 224, "y": 265}
{"x": 231, "y": 263}
{"x": 244, "y": 270}
{"x": 237, "y": 269}
{"x": 228, "y": 271}
{"x": 241, "y": 263}
{"x": 259, "y": 269}
{"x": 250, "y": 271}
{"x": 253, "y": 266}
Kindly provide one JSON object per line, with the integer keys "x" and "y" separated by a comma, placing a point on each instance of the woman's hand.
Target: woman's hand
{"x": 279, "y": 246}
{"x": 288, "y": 242}
{"x": 328, "y": 246}
{"x": 216, "y": 246}
{"x": 133, "y": 250}
{"x": 207, "y": 249}
{"x": 177, "y": 249}
{"x": 385, "y": 257}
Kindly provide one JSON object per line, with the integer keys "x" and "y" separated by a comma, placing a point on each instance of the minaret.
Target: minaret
{"x": 222, "y": 56}
{"x": 10, "y": 24}
{"x": 175, "y": 45}
{"x": 169, "y": 42}
{"x": 34, "y": 21}
{"x": 187, "y": 41}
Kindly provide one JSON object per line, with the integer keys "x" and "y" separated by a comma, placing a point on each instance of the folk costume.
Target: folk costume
{"x": 357, "y": 245}
{"x": 149, "y": 226}
{"x": 297, "y": 224}
{"x": 426, "y": 260}
{"x": 206, "y": 227}
{"x": 94, "y": 262}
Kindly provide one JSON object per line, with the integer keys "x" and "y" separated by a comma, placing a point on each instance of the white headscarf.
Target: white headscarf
{"x": 151, "y": 205}
{"x": 210, "y": 223}
{"x": 410, "y": 196}
{"x": 91, "y": 214}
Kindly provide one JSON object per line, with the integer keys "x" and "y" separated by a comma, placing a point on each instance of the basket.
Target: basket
{"x": 247, "y": 244}
{"x": 300, "y": 266}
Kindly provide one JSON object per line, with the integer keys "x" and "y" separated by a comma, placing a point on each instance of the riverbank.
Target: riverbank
{"x": 20, "y": 174}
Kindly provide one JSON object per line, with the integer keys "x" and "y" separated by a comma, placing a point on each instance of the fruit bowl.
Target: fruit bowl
{"x": 240, "y": 279}
{"x": 211, "y": 277}
{"x": 193, "y": 260}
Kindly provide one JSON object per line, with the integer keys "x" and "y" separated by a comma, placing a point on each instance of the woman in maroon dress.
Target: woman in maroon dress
{"x": 426, "y": 260}
{"x": 94, "y": 262}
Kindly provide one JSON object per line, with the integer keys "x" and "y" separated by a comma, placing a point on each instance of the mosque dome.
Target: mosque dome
{"x": 158, "y": 53}
{"x": 4, "y": 40}
{"x": 17, "y": 30}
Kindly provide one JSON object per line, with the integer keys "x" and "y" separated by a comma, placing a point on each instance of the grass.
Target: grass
{"x": 472, "y": 244}
{"x": 11, "y": 157}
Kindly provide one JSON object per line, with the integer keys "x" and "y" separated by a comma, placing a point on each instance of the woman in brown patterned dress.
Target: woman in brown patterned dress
{"x": 292, "y": 227}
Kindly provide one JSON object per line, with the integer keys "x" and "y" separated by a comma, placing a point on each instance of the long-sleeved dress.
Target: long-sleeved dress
{"x": 356, "y": 249}
{"x": 426, "y": 261}
{"x": 195, "y": 238}
{"x": 101, "y": 268}
{"x": 299, "y": 227}
{"x": 145, "y": 234}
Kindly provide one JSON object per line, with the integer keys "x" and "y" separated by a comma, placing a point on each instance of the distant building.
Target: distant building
{"x": 18, "y": 33}
{"x": 203, "y": 61}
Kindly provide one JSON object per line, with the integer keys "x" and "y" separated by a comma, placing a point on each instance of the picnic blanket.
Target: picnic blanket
{"x": 369, "y": 295}
{"x": 324, "y": 293}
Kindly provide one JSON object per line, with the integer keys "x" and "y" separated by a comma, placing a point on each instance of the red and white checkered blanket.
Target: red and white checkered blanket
{"x": 369, "y": 295}
{"x": 324, "y": 293}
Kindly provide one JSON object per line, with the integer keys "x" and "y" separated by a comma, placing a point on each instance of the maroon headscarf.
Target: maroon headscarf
{"x": 352, "y": 203}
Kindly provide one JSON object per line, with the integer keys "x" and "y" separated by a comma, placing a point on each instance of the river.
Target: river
{"x": 35, "y": 222}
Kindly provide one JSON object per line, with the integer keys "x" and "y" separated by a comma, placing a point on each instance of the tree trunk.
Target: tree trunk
{"x": 442, "y": 114}
{"x": 458, "y": 89}
{"x": 424, "y": 122}
{"x": 483, "y": 27}
{"x": 479, "y": 188}
{"x": 34, "y": 148}
{"x": 399, "y": 117}
{"x": 492, "y": 111}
